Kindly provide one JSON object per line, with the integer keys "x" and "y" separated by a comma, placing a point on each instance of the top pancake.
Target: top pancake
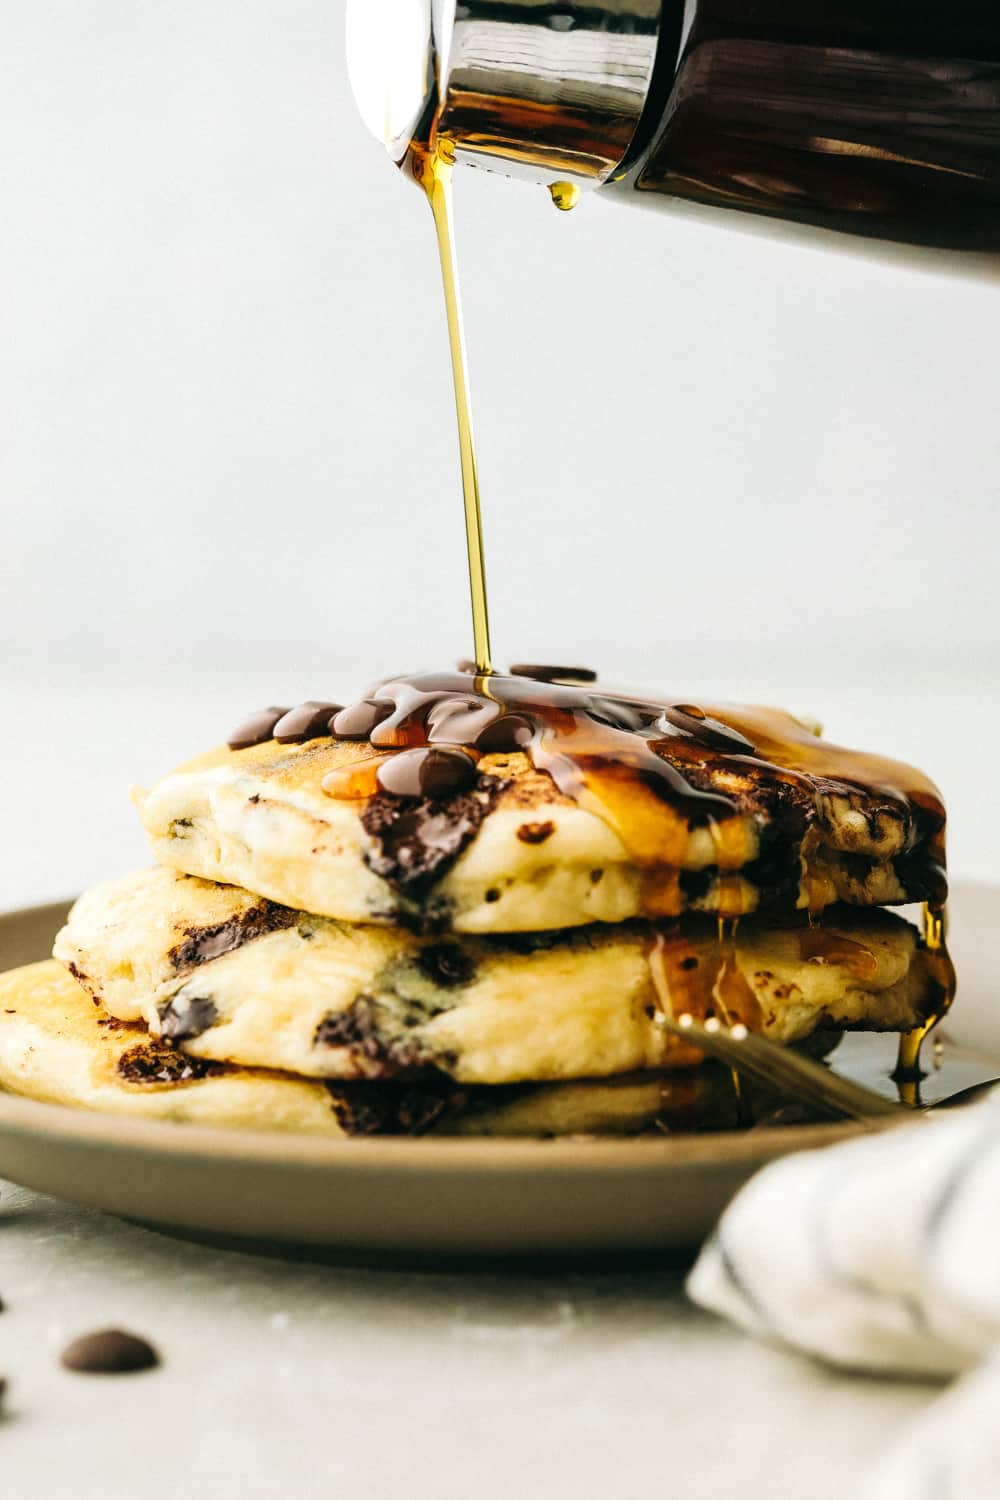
{"x": 567, "y": 832}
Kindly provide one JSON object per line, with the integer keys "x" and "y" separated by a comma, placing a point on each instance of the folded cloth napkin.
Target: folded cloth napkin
{"x": 883, "y": 1254}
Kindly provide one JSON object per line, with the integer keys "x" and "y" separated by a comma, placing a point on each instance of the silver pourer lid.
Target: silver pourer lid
{"x": 543, "y": 89}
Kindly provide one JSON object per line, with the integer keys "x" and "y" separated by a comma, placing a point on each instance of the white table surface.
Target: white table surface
{"x": 284, "y": 1378}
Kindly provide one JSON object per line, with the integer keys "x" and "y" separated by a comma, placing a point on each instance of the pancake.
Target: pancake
{"x": 56, "y": 1047}
{"x": 606, "y": 813}
{"x": 282, "y": 990}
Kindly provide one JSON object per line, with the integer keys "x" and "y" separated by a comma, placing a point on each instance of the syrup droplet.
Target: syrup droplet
{"x": 565, "y": 195}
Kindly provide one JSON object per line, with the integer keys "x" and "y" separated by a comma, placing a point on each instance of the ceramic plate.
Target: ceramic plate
{"x": 452, "y": 1197}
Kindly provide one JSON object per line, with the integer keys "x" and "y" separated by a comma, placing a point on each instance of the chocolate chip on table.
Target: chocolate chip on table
{"x": 309, "y": 721}
{"x": 357, "y": 721}
{"x": 695, "y": 722}
{"x": 427, "y": 773}
{"x": 505, "y": 735}
{"x": 554, "y": 674}
{"x": 109, "y": 1352}
{"x": 257, "y": 729}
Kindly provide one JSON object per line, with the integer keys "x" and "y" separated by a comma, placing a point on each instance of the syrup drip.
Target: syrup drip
{"x": 818, "y": 946}
{"x": 565, "y": 195}
{"x": 908, "y": 1072}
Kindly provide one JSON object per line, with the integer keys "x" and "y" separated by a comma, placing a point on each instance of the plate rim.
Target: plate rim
{"x": 65, "y": 1124}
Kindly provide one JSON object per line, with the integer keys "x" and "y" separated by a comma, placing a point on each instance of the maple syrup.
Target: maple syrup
{"x": 431, "y": 167}
{"x": 565, "y": 195}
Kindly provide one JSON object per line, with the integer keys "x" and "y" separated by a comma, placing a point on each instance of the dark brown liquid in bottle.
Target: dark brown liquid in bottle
{"x": 878, "y": 117}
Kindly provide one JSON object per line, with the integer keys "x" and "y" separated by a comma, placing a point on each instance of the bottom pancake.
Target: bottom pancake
{"x": 56, "y": 1046}
{"x": 261, "y": 986}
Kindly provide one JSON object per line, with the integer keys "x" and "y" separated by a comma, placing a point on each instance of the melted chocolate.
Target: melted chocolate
{"x": 202, "y": 944}
{"x": 183, "y": 1018}
{"x": 157, "y": 1063}
{"x": 417, "y": 841}
{"x": 257, "y": 730}
{"x": 365, "y": 1109}
{"x": 307, "y": 722}
{"x": 427, "y": 772}
{"x": 378, "y": 1052}
{"x": 447, "y": 965}
{"x": 651, "y": 769}
{"x": 357, "y": 721}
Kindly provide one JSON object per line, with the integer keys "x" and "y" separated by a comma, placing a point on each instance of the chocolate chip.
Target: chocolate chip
{"x": 109, "y": 1352}
{"x": 447, "y": 965}
{"x": 459, "y": 721}
{"x": 416, "y": 843}
{"x": 535, "y": 833}
{"x": 257, "y": 729}
{"x": 618, "y": 713}
{"x": 183, "y": 1018}
{"x": 202, "y": 944}
{"x": 380, "y": 1108}
{"x": 157, "y": 1063}
{"x": 505, "y": 735}
{"x": 554, "y": 674}
{"x": 357, "y": 721}
{"x": 695, "y": 722}
{"x": 362, "y": 1031}
{"x": 309, "y": 721}
{"x": 427, "y": 773}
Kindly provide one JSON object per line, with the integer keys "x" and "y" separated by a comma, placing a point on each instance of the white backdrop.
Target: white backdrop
{"x": 711, "y": 462}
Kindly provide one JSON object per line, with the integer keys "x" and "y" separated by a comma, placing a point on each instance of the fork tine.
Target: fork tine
{"x": 780, "y": 1067}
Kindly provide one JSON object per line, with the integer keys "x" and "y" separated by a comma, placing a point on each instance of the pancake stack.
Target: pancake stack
{"x": 466, "y": 905}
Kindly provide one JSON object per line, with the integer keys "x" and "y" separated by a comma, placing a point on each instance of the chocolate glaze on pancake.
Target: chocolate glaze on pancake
{"x": 651, "y": 769}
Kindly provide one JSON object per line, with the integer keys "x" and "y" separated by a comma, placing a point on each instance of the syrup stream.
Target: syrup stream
{"x": 433, "y": 171}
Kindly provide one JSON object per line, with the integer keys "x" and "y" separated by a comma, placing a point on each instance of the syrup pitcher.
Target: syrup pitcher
{"x": 873, "y": 118}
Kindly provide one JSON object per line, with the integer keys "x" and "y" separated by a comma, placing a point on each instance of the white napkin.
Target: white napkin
{"x": 883, "y": 1254}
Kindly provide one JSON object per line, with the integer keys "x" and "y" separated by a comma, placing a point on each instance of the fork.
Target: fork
{"x": 792, "y": 1072}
